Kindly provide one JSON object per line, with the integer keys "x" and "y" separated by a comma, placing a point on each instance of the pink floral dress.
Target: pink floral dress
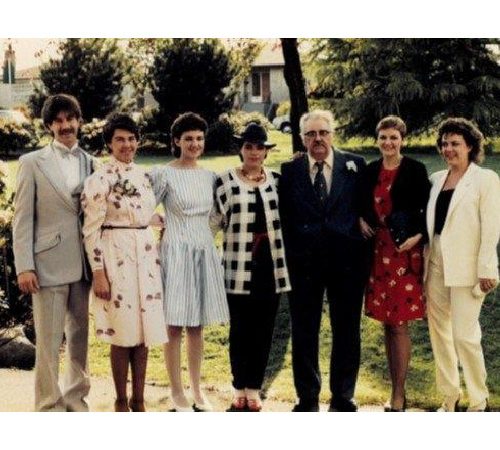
{"x": 395, "y": 293}
{"x": 118, "y": 203}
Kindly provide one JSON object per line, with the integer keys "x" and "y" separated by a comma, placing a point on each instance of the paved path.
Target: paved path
{"x": 16, "y": 394}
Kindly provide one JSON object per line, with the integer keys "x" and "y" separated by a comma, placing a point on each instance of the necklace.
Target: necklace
{"x": 259, "y": 177}
{"x": 393, "y": 165}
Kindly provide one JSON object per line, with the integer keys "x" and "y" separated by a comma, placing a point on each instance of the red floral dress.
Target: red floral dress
{"x": 395, "y": 289}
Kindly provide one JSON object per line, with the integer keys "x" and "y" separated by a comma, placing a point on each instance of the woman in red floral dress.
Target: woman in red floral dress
{"x": 395, "y": 190}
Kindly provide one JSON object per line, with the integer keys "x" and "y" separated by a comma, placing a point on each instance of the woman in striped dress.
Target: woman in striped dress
{"x": 193, "y": 278}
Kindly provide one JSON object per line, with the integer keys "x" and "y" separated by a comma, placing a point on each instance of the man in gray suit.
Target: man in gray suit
{"x": 49, "y": 255}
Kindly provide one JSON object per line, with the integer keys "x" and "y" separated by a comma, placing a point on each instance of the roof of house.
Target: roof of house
{"x": 30, "y": 73}
{"x": 271, "y": 54}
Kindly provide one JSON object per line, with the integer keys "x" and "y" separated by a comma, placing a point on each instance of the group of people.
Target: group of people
{"x": 410, "y": 246}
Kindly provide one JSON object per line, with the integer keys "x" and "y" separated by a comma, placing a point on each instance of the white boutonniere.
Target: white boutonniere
{"x": 351, "y": 165}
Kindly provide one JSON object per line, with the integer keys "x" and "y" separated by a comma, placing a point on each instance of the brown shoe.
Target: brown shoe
{"x": 121, "y": 405}
{"x": 137, "y": 406}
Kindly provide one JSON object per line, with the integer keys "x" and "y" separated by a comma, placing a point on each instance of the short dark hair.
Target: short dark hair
{"x": 468, "y": 130}
{"x": 57, "y": 103}
{"x": 188, "y": 121}
{"x": 119, "y": 121}
{"x": 392, "y": 122}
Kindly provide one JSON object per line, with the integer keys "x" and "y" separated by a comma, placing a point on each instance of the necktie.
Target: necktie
{"x": 66, "y": 153}
{"x": 320, "y": 182}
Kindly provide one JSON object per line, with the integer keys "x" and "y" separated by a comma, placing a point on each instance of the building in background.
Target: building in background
{"x": 265, "y": 88}
{"x": 16, "y": 86}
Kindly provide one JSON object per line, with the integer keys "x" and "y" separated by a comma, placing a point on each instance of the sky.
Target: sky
{"x": 27, "y": 48}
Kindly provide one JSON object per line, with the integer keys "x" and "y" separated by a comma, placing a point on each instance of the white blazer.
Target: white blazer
{"x": 472, "y": 227}
{"x": 46, "y": 225}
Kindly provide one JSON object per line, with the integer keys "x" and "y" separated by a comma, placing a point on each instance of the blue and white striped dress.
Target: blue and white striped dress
{"x": 192, "y": 272}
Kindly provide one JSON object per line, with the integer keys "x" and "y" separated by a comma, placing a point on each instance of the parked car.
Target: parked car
{"x": 282, "y": 123}
{"x": 13, "y": 115}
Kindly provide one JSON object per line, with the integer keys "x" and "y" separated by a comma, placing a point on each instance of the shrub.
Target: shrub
{"x": 14, "y": 307}
{"x": 283, "y": 108}
{"x": 154, "y": 144}
{"x": 41, "y": 135}
{"x": 240, "y": 119}
{"x": 149, "y": 120}
{"x": 91, "y": 69}
{"x": 91, "y": 136}
{"x": 220, "y": 135}
{"x": 14, "y": 136}
{"x": 313, "y": 103}
{"x": 191, "y": 75}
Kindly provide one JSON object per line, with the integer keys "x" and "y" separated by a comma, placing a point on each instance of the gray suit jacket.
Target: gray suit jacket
{"x": 46, "y": 226}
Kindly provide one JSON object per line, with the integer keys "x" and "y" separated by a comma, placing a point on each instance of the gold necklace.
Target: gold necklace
{"x": 260, "y": 177}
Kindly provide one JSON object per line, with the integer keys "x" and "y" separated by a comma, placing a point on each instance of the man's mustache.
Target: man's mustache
{"x": 68, "y": 131}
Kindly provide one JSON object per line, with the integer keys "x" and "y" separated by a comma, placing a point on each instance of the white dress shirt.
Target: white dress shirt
{"x": 327, "y": 169}
{"x": 68, "y": 163}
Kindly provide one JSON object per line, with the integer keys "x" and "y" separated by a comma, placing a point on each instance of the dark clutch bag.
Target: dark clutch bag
{"x": 400, "y": 224}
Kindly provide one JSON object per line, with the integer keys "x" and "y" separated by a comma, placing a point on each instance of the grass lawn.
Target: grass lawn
{"x": 373, "y": 386}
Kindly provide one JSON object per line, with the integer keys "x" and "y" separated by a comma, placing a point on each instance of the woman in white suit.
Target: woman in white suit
{"x": 463, "y": 221}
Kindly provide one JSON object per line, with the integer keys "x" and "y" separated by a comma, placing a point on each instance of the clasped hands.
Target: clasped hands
{"x": 368, "y": 232}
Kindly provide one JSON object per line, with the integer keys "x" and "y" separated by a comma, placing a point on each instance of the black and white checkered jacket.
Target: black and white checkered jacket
{"x": 236, "y": 202}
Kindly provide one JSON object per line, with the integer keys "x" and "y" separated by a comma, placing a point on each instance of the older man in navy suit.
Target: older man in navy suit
{"x": 325, "y": 252}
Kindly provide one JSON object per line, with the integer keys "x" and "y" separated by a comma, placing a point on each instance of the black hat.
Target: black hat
{"x": 254, "y": 133}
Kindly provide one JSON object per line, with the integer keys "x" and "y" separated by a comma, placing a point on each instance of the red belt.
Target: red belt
{"x": 258, "y": 239}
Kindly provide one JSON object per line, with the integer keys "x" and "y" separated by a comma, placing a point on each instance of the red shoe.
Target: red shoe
{"x": 254, "y": 405}
{"x": 239, "y": 404}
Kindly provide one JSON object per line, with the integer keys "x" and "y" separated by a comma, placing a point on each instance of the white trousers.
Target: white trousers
{"x": 61, "y": 311}
{"x": 453, "y": 314}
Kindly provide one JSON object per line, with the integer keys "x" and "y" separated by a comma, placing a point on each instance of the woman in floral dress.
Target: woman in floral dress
{"x": 395, "y": 186}
{"x": 118, "y": 203}
{"x": 192, "y": 270}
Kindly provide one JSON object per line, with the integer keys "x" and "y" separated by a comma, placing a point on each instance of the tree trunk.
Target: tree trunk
{"x": 296, "y": 86}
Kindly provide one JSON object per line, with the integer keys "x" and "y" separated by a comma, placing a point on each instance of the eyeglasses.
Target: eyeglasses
{"x": 313, "y": 133}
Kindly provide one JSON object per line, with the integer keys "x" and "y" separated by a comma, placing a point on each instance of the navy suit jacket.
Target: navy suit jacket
{"x": 311, "y": 229}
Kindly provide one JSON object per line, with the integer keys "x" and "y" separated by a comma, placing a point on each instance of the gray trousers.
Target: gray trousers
{"x": 61, "y": 311}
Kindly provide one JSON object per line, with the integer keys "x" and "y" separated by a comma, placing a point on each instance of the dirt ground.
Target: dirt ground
{"x": 17, "y": 393}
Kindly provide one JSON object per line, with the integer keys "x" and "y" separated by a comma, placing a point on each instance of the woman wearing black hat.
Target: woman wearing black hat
{"x": 254, "y": 263}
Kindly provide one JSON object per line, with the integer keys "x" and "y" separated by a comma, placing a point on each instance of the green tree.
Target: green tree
{"x": 191, "y": 75}
{"x": 421, "y": 80}
{"x": 90, "y": 69}
{"x": 140, "y": 53}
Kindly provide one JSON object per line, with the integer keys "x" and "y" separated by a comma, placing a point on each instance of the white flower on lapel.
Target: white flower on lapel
{"x": 351, "y": 165}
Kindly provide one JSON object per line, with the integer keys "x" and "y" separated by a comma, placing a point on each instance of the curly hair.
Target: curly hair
{"x": 465, "y": 128}
{"x": 119, "y": 121}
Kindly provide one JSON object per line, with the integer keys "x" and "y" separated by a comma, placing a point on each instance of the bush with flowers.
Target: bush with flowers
{"x": 15, "y": 308}
{"x": 91, "y": 136}
{"x": 15, "y": 136}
